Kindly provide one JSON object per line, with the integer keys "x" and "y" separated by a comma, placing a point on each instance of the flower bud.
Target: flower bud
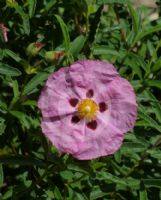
{"x": 31, "y": 70}
{"x": 52, "y": 56}
{"x": 34, "y": 48}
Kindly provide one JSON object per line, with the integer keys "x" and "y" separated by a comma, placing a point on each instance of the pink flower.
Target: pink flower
{"x": 86, "y": 109}
{"x": 4, "y": 32}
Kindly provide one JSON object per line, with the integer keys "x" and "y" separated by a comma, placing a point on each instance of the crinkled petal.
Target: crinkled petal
{"x": 81, "y": 141}
{"x": 56, "y": 94}
{"x": 121, "y": 103}
{"x": 84, "y": 73}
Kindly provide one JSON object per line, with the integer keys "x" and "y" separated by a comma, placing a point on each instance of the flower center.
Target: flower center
{"x": 87, "y": 109}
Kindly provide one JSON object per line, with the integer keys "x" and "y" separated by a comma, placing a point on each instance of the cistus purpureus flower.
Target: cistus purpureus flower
{"x": 86, "y": 109}
{"x": 3, "y": 29}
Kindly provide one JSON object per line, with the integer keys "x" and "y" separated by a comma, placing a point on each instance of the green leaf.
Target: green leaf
{"x": 143, "y": 195}
{"x": 32, "y": 7}
{"x": 109, "y": 178}
{"x": 112, "y": 1}
{"x": 21, "y": 160}
{"x": 156, "y": 105}
{"x": 104, "y": 50}
{"x": 157, "y": 65}
{"x": 8, "y": 194}
{"x": 132, "y": 147}
{"x": 57, "y": 193}
{"x": 77, "y": 45}
{"x": 16, "y": 92}
{"x": 76, "y": 168}
{"x": 65, "y": 32}
{"x": 135, "y": 19}
{"x": 144, "y": 33}
{"x": 152, "y": 183}
{"x": 8, "y": 70}
{"x": 49, "y": 5}
{"x": 1, "y": 175}
{"x": 143, "y": 115}
{"x": 25, "y": 19}
{"x": 155, "y": 154}
{"x": 96, "y": 193}
{"x": 80, "y": 196}
{"x": 38, "y": 79}
{"x": 154, "y": 83}
{"x": 138, "y": 60}
{"x": 13, "y": 55}
{"x": 2, "y": 125}
{"x": 1, "y": 53}
{"x": 34, "y": 82}
{"x": 26, "y": 24}
{"x": 25, "y": 120}
{"x": 132, "y": 63}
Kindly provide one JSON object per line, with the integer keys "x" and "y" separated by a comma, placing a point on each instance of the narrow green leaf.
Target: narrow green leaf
{"x": 21, "y": 160}
{"x": 57, "y": 193}
{"x": 142, "y": 192}
{"x": 157, "y": 65}
{"x": 13, "y": 55}
{"x": 150, "y": 30}
{"x": 8, "y": 194}
{"x": 2, "y": 125}
{"x": 154, "y": 83}
{"x": 139, "y": 60}
{"x": 152, "y": 183}
{"x": 65, "y": 32}
{"x": 76, "y": 168}
{"x": 80, "y": 196}
{"x": 146, "y": 32}
{"x": 24, "y": 17}
{"x": 135, "y": 19}
{"x": 132, "y": 147}
{"x": 143, "y": 115}
{"x": 32, "y": 7}
{"x": 26, "y": 24}
{"x": 49, "y": 5}
{"x": 132, "y": 63}
{"x": 104, "y": 50}
{"x": 25, "y": 120}
{"x": 77, "y": 45}
{"x": 16, "y": 92}
{"x": 156, "y": 105}
{"x": 8, "y": 70}
{"x": 143, "y": 195}
{"x": 1, "y": 175}
{"x": 112, "y": 1}
{"x": 1, "y": 52}
{"x": 131, "y": 182}
{"x": 96, "y": 193}
{"x": 34, "y": 82}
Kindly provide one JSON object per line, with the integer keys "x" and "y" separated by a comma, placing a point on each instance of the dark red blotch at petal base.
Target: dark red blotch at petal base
{"x": 75, "y": 119}
{"x": 92, "y": 125}
{"x": 73, "y": 102}
{"x": 103, "y": 107}
{"x": 90, "y": 93}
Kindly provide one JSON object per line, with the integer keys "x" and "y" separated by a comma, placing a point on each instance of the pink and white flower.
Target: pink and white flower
{"x": 86, "y": 109}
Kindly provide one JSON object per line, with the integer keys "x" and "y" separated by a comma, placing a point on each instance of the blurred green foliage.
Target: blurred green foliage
{"x": 112, "y": 30}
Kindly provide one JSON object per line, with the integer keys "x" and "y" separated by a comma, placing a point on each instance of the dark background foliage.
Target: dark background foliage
{"x": 59, "y": 32}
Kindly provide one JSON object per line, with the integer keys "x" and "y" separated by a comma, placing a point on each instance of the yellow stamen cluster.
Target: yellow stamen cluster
{"x": 87, "y": 109}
